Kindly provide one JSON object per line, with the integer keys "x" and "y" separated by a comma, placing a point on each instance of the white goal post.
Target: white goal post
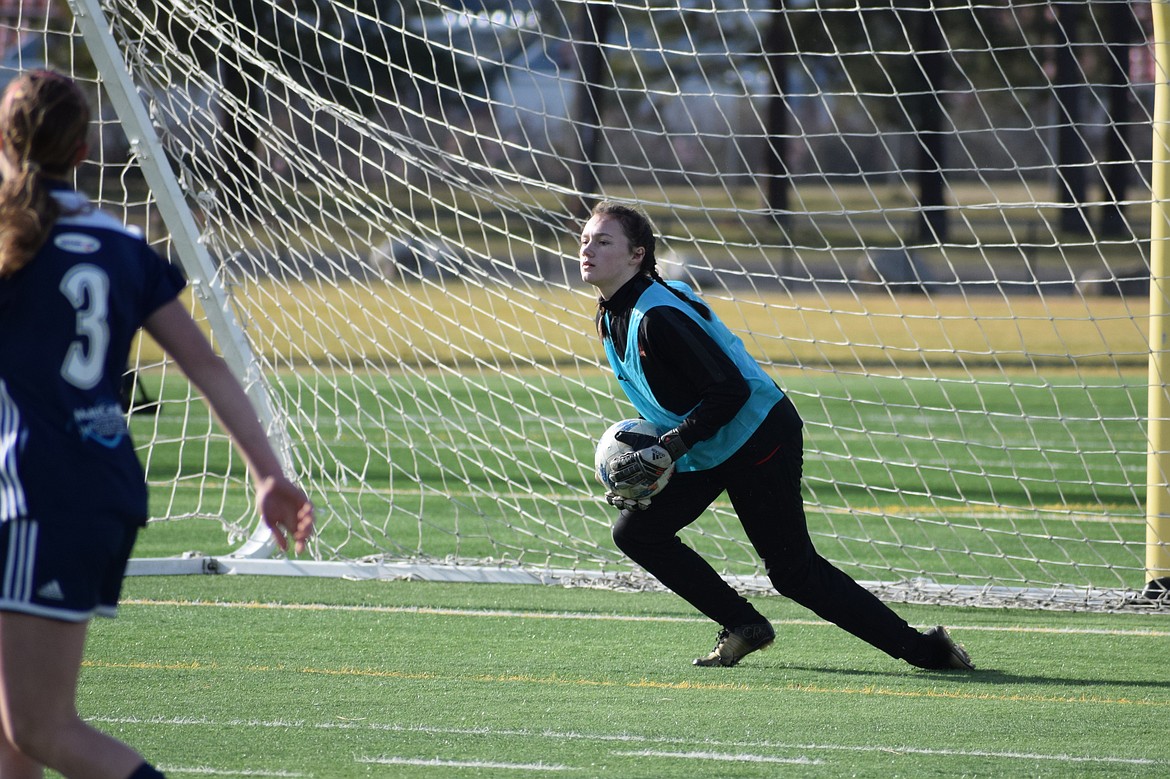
{"x": 930, "y": 220}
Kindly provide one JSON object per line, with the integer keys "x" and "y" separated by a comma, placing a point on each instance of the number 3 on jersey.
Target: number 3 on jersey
{"x": 87, "y": 287}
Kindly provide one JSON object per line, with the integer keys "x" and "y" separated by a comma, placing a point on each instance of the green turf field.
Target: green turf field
{"x": 274, "y": 677}
{"x": 269, "y": 676}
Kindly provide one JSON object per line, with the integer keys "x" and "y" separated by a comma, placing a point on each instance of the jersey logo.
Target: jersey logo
{"x": 103, "y": 423}
{"x": 77, "y": 243}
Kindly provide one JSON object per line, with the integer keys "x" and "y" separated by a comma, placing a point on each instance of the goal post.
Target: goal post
{"x": 938, "y": 225}
{"x": 148, "y": 154}
{"x": 1158, "y": 466}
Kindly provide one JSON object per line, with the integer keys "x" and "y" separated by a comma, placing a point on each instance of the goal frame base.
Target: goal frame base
{"x": 912, "y": 591}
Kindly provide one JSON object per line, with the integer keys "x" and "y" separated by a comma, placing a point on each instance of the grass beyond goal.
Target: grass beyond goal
{"x": 930, "y": 220}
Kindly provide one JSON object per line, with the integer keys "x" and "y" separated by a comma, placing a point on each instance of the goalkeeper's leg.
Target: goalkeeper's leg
{"x": 650, "y": 539}
{"x": 764, "y": 484}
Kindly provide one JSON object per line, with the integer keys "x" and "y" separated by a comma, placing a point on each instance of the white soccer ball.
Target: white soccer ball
{"x": 608, "y": 446}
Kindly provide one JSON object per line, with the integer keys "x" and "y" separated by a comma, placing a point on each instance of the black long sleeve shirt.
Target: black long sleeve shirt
{"x": 685, "y": 368}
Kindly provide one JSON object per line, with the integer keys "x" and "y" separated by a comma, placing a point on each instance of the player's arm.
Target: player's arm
{"x": 281, "y": 503}
{"x": 690, "y": 374}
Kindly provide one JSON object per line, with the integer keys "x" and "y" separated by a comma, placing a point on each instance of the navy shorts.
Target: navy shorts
{"x": 68, "y": 571}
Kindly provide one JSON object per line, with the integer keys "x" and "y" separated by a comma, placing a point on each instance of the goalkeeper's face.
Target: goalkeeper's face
{"x": 607, "y": 259}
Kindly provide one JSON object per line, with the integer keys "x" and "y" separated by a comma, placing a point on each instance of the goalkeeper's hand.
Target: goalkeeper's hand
{"x": 626, "y": 504}
{"x": 648, "y": 460}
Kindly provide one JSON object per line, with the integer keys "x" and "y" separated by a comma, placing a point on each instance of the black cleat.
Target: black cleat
{"x": 733, "y": 645}
{"x": 953, "y": 656}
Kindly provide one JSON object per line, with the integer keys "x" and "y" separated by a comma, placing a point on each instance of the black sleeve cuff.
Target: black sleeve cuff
{"x": 672, "y": 442}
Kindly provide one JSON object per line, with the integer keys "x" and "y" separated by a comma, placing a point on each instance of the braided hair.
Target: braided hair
{"x": 44, "y": 118}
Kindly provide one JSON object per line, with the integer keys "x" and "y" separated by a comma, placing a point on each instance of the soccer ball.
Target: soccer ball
{"x": 608, "y": 446}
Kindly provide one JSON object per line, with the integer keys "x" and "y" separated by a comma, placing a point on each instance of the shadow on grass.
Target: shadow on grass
{"x": 984, "y": 677}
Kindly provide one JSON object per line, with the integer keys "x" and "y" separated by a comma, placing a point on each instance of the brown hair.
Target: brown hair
{"x": 44, "y": 118}
{"x": 637, "y": 227}
{"x": 639, "y": 231}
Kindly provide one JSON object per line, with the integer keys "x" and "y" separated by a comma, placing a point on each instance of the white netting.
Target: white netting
{"x": 930, "y": 220}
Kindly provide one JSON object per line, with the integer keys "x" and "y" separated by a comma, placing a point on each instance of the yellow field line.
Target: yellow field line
{"x": 555, "y": 680}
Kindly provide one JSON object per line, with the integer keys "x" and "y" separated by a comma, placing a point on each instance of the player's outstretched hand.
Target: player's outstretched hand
{"x": 286, "y": 510}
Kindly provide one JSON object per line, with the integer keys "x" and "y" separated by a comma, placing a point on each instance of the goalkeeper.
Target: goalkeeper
{"x": 731, "y": 429}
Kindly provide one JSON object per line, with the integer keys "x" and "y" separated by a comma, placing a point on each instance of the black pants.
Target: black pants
{"x": 763, "y": 481}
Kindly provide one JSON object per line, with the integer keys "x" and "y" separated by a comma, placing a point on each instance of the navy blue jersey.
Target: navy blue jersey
{"x": 67, "y": 320}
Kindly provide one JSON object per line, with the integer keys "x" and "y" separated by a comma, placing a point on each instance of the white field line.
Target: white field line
{"x": 568, "y": 615}
{"x": 649, "y": 743}
{"x": 209, "y": 771}
{"x": 462, "y": 764}
{"x": 722, "y": 757}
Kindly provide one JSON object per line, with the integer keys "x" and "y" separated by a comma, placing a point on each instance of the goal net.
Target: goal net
{"x": 929, "y": 220}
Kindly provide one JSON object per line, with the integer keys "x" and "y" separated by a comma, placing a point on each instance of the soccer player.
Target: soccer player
{"x": 75, "y": 287}
{"x": 730, "y": 429}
